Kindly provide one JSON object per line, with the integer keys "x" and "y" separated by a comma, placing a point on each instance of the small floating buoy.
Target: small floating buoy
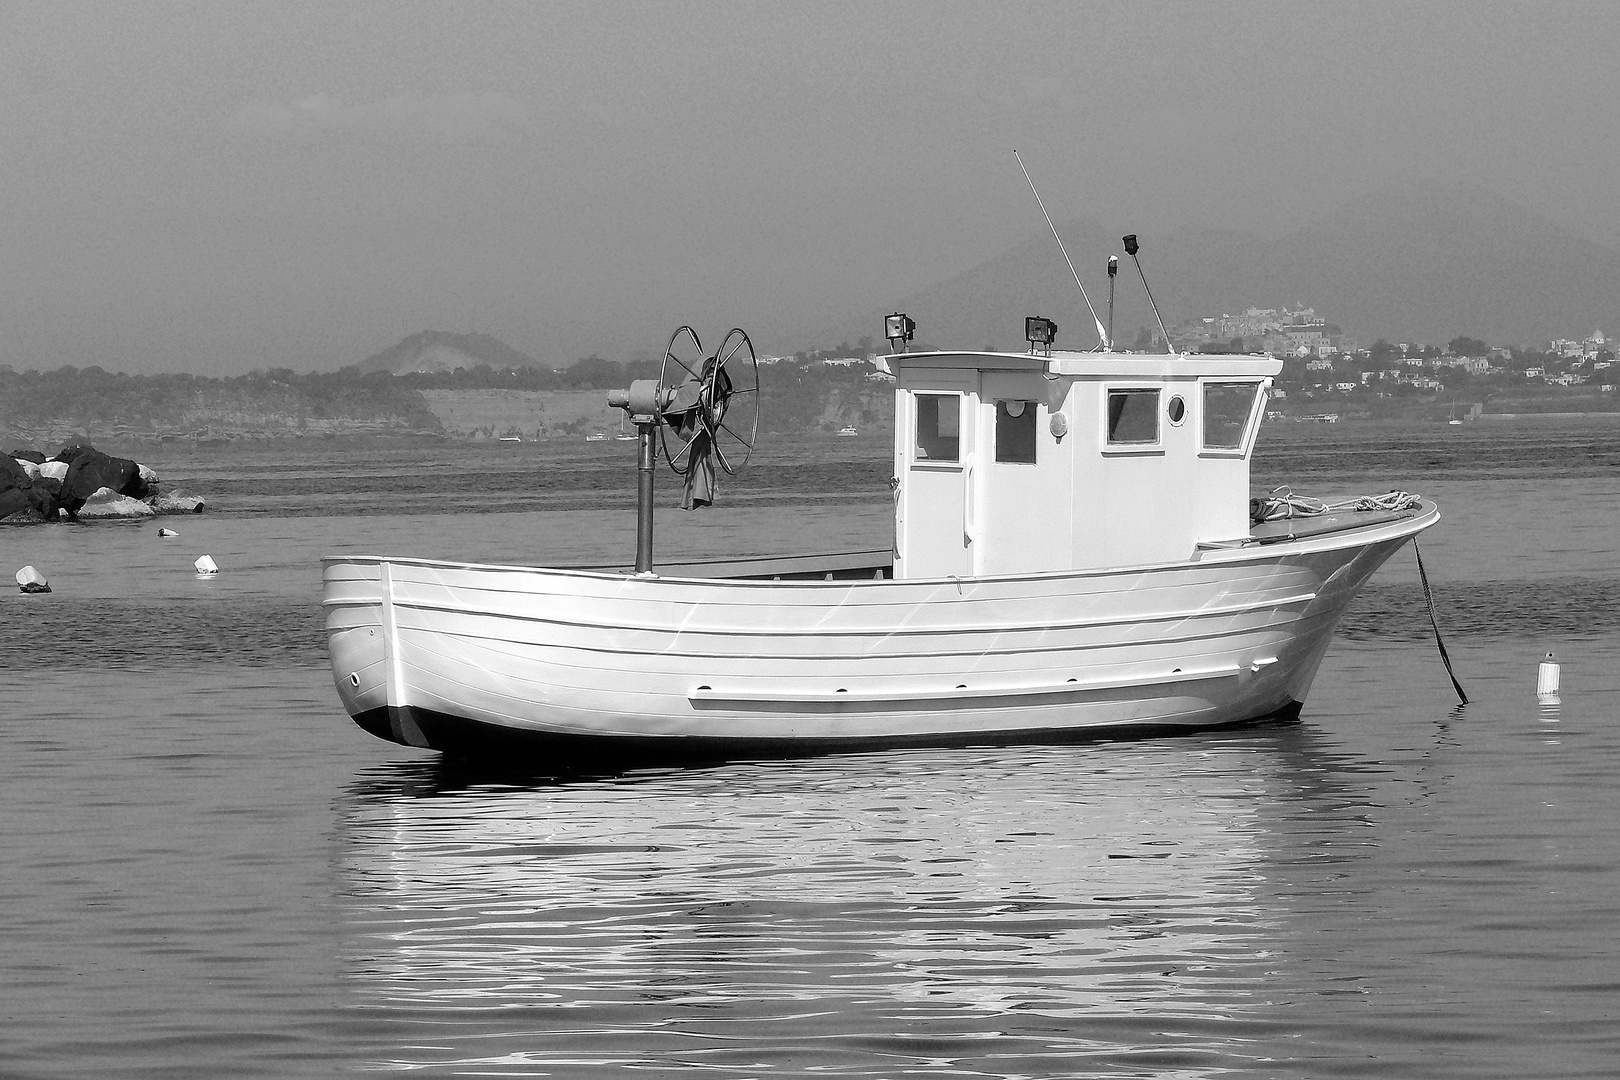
{"x": 1547, "y": 679}
{"x": 206, "y": 567}
{"x": 167, "y": 532}
{"x": 32, "y": 581}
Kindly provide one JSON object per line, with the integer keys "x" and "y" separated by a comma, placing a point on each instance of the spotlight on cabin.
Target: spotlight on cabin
{"x": 1039, "y": 331}
{"x": 1131, "y": 247}
{"x": 898, "y": 329}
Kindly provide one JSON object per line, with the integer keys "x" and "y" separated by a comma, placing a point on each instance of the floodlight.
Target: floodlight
{"x": 898, "y": 329}
{"x": 1039, "y": 331}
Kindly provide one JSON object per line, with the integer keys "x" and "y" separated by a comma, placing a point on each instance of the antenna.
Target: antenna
{"x": 1131, "y": 248}
{"x": 1113, "y": 272}
{"x": 1101, "y": 333}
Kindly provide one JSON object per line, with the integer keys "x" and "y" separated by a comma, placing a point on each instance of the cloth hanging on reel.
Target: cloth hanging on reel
{"x": 700, "y": 485}
{"x": 684, "y": 415}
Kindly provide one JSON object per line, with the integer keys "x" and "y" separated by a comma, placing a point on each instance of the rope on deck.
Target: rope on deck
{"x": 1282, "y": 504}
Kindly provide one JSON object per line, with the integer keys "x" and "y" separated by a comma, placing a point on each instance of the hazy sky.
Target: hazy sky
{"x": 216, "y": 187}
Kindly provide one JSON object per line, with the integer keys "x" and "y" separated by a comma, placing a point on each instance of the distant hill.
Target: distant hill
{"x": 436, "y": 350}
{"x": 1406, "y": 264}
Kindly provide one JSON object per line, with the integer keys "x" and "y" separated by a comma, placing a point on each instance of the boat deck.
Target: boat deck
{"x": 874, "y": 564}
{"x": 878, "y": 563}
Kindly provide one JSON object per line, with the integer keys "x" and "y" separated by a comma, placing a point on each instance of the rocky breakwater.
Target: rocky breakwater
{"x": 81, "y": 482}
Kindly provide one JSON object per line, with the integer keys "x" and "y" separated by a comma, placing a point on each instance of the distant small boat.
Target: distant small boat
{"x": 511, "y": 438}
{"x": 596, "y": 436}
{"x": 1319, "y": 418}
{"x": 847, "y": 433}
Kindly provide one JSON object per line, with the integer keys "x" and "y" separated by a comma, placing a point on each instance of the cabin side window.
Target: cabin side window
{"x": 1227, "y": 409}
{"x": 1133, "y": 417}
{"x": 1015, "y": 432}
{"x": 939, "y": 422}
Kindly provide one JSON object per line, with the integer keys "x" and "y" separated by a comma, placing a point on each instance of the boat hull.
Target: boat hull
{"x": 563, "y": 665}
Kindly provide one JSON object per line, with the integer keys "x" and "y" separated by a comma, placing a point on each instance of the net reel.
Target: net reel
{"x": 703, "y": 411}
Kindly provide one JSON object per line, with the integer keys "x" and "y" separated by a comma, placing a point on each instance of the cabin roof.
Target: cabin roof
{"x": 1097, "y": 364}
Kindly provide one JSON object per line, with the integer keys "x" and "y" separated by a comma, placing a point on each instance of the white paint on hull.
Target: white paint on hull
{"x": 1234, "y": 634}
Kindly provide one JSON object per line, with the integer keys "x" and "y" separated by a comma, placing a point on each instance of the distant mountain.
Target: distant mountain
{"x": 1406, "y": 264}
{"x": 436, "y": 350}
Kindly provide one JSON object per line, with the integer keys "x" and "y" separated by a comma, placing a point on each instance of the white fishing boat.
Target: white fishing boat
{"x": 1075, "y": 553}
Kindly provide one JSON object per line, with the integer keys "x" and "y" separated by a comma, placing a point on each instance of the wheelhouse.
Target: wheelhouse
{"x": 1019, "y": 463}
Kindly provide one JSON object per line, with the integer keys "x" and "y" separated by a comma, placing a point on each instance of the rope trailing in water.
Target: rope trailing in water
{"x": 1428, "y": 596}
{"x": 1281, "y": 503}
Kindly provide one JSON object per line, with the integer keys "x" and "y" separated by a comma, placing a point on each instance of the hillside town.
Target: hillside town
{"x": 1325, "y": 368}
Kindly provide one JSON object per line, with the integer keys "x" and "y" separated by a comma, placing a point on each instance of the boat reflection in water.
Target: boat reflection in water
{"x": 1105, "y": 903}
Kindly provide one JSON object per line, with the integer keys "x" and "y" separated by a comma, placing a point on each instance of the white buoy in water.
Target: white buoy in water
{"x": 1547, "y": 678}
{"x": 167, "y": 532}
{"x": 206, "y": 567}
{"x": 32, "y": 581}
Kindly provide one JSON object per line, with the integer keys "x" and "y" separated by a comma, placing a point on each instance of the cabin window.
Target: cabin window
{"x": 1015, "y": 431}
{"x": 939, "y": 419}
{"x": 1133, "y": 417}
{"x": 1227, "y": 408}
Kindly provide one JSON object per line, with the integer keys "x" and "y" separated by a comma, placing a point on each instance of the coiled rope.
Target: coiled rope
{"x": 1282, "y": 504}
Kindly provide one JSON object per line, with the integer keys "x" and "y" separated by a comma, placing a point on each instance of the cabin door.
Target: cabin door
{"x": 932, "y": 515}
{"x": 1018, "y": 524}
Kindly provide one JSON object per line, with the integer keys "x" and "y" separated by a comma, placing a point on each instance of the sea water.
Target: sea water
{"x": 207, "y": 870}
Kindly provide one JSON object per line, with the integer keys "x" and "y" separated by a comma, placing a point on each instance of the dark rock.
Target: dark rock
{"x": 28, "y": 455}
{"x": 13, "y": 474}
{"x": 73, "y": 450}
{"x": 89, "y": 470}
{"x": 13, "y": 501}
{"x": 20, "y": 493}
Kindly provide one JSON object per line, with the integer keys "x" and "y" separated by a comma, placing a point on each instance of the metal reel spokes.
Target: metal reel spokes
{"x": 732, "y": 401}
{"x": 680, "y": 392}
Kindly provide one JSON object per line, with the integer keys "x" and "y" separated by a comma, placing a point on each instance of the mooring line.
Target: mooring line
{"x": 1428, "y": 596}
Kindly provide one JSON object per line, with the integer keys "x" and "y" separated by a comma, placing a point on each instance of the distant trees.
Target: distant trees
{"x": 794, "y": 396}
{"x": 91, "y": 399}
{"x": 1382, "y": 353}
{"x": 588, "y": 373}
{"x": 1467, "y": 346}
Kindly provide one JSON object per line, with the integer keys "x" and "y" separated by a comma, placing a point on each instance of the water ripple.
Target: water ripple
{"x": 717, "y": 938}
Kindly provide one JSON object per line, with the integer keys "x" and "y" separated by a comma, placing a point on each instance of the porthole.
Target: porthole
{"x": 1176, "y": 411}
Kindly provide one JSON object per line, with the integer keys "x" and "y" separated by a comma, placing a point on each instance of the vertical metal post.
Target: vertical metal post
{"x": 1113, "y": 270}
{"x": 644, "y": 494}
